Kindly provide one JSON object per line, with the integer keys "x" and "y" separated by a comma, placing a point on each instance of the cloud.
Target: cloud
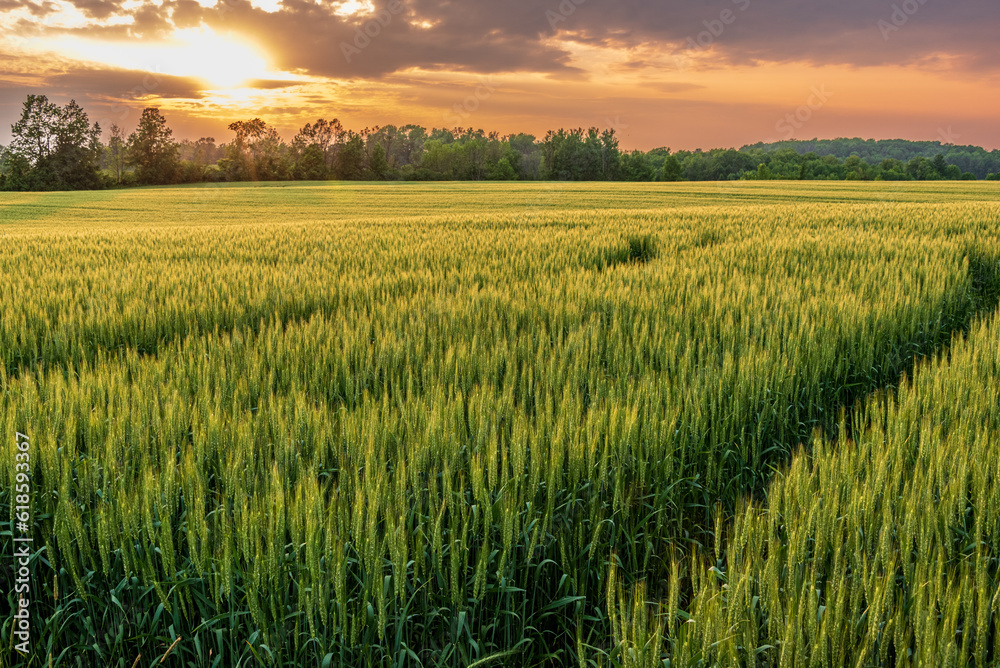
{"x": 481, "y": 36}
{"x": 130, "y": 85}
{"x": 271, "y": 84}
{"x": 37, "y": 9}
{"x": 308, "y": 37}
{"x": 98, "y": 9}
{"x": 311, "y": 37}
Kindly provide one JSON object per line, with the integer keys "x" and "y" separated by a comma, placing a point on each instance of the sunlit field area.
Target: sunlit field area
{"x": 664, "y": 424}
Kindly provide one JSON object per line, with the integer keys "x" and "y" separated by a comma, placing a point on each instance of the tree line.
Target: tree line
{"x": 972, "y": 159}
{"x": 57, "y": 148}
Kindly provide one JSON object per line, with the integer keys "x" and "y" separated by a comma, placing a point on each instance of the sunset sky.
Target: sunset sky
{"x": 677, "y": 73}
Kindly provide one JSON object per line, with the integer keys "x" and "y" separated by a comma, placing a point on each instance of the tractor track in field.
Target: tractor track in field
{"x": 985, "y": 288}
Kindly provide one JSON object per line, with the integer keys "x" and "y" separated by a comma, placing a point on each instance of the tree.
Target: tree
{"x": 857, "y": 169}
{"x": 528, "y": 156}
{"x": 53, "y": 148}
{"x": 76, "y": 161}
{"x": 503, "y": 170}
{"x": 892, "y": 169}
{"x": 115, "y": 154}
{"x": 940, "y": 165}
{"x": 36, "y": 133}
{"x": 257, "y": 153}
{"x": 952, "y": 173}
{"x": 327, "y": 136}
{"x": 204, "y": 151}
{"x": 637, "y": 166}
{"x": 671, "y": 170}
{"x": 921, "y": 169}
{"x": 240, "y": 163}
{"x": 442, "y": 160}
{"x": 151, "y": 149}
{"x": 197, "y": 160}
{"x": 474, "y": 146}
{"x": 377, "y": 164}
{"x": 310, "y": 165}
{"x": 610, "y": 155}
{"x": 409, "y": 150}
{"x": 4, "y": 167}
{"x": 391, "y": 139}
{"x": 593, "y": 159}
{"x": 351, "y": 158}
{"x": 271, "y": 157}
{"x": 566, "y": 158}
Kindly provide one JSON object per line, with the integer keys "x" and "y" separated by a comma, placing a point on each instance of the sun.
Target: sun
{"x": 220, "y": 61}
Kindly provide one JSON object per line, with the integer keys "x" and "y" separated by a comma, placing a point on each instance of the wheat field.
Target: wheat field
{"x": 748, "y": 424}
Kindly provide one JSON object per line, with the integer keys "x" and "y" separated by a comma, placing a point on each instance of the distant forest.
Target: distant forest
{"x": 969, "y": 159}
{"x": 57, "y": 148}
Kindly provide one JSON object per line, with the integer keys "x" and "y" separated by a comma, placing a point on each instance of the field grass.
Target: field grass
{"x": 543, "y": 424}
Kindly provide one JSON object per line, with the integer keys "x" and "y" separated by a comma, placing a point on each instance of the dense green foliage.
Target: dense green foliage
{"x": 326, "y": 150}
{"x": 53, "y": 148}
{"x": 972, "y": 159}
{"x": 441, "y": 424}
{"x": 788, "y": 164}
{"x": 151, "y": 150}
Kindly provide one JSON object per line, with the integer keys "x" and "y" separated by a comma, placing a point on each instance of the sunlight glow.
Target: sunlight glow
{"x": 221, "y": 61}
{"x": 354, "y": 7}
{"x": 269, "y": 6}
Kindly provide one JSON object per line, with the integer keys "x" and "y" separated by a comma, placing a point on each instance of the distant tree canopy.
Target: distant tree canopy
{"x": 968, "y": 159}
{"x": 55, "y": 148}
